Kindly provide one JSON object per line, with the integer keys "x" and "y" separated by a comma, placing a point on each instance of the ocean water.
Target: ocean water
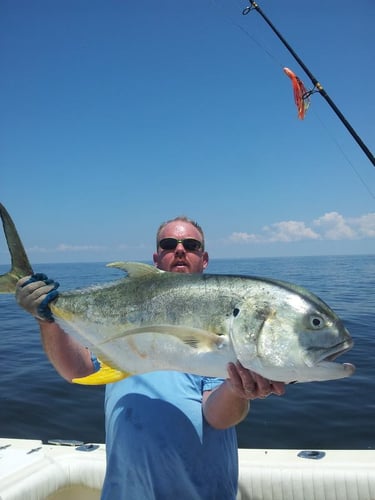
{"x": 36, "y": 403}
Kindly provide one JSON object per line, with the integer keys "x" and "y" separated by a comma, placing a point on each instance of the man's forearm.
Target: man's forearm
{"x": 70, "y": 359}
{"x": 229, "y": 403}
{"x": 222, "y": 408}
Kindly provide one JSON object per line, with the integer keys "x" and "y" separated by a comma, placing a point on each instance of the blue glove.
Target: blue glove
{"x": 35, "y": 293}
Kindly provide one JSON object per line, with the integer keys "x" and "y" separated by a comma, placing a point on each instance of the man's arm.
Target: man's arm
{"x": 70, "y": 359}
{"x": 228, "y": 404}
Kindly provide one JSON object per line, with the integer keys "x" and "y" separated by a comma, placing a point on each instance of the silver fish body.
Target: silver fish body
{"x": 153, "y": 320}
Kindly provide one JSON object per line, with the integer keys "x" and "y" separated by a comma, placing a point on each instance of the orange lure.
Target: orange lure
{"x": 300, "y": 93}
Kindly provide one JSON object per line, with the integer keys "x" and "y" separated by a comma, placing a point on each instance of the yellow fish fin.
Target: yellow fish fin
{"x": 105, "y": 375}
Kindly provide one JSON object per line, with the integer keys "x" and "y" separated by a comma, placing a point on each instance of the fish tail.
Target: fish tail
{"x": 20, "y": 265}
{"x": 105, "y": 375}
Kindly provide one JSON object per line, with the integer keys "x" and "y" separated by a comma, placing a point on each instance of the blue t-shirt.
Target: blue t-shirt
{"x": 159, "y": 445}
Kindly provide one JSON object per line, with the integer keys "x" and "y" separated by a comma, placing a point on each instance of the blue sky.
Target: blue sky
{"x": 116, "y": 115}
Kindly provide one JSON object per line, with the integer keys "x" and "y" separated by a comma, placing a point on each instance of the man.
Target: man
{"x": 169, "y": 435}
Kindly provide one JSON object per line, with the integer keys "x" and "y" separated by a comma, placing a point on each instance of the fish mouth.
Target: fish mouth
{"x": 326, "y": 360}
{"x": 335, "y": 351}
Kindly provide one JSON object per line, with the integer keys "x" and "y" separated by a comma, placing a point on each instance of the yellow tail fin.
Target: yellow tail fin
{"x": 105, "y": 375}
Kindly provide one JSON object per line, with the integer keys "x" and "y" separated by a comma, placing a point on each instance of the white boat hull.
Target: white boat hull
{"x": 30, "y": 470}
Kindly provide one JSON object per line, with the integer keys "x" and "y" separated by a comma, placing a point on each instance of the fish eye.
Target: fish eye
{"x": 236, "y": 312}
{"x": 316, "y": 322}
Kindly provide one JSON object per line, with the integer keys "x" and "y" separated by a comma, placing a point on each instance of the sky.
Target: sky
{"x": 116, "y": 115}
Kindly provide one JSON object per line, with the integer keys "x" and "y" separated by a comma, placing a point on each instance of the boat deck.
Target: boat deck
{"x": 31, "y": 470}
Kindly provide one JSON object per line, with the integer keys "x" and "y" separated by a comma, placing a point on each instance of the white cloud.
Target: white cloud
{"x": 79, "y": 248}
{"x": 333, "y": 226}
{"x": 62, "y": 248}
{"x": 67, "y": 248}
{"x": 244, "y": 238}
{"x": 365, "y": 225}
{"x": 330, "y": 226}
{"x": 289, "y": 231}
{"x": 37, "y": 249}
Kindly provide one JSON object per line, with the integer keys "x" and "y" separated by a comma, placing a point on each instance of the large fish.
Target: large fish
{"x": 196, "y": 323}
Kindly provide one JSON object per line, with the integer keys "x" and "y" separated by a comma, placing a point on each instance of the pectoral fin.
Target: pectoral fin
{"x": 194, "y": 337}
{"x": 105, "y": 375}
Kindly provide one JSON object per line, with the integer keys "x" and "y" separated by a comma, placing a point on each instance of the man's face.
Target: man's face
{"x": 178, "y": 259}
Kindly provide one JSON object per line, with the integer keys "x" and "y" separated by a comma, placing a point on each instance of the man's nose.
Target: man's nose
{"x": 179, "y": 248}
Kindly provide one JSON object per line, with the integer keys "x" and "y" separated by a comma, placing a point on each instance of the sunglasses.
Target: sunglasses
{"x": 190, "y": 244}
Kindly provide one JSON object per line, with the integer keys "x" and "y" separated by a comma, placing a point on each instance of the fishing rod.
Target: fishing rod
{"x": 317, "y": 86}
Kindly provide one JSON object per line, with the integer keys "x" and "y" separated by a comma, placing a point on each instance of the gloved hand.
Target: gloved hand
{"x": 35, "y": 293}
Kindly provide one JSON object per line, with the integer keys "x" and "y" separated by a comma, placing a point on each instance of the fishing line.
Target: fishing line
{"x": 247, "y": 33}
{"x": 317, "y": 85}
{"x": 338, "y": 145}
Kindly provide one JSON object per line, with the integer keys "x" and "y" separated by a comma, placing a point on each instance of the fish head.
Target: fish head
{"x": 287, "y": 334}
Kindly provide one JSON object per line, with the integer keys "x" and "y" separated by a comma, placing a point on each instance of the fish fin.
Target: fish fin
{"x": 194, "y": 337}
{"x": 20, "y": 266}
{"x": 136, "y": 269}
{"x": 105, "y": 375}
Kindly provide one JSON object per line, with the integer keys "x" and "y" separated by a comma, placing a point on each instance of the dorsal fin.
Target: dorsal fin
{"x": 136, "y": 269}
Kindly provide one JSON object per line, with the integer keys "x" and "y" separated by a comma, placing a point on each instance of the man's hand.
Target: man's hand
{"x": 35, "y": 293}
{"x": 249, "y": 385}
